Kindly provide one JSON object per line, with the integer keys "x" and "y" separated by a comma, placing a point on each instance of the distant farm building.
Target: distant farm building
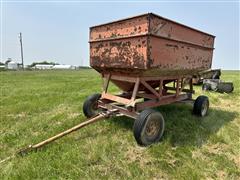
{"x": 12, "y": 65}
{"x": 43, "y": 66}
{"x": 50, "y": 66}
{"x": 64, "y": 67}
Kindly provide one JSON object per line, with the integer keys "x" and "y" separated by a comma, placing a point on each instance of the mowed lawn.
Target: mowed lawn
{"x": 38, "y": 104}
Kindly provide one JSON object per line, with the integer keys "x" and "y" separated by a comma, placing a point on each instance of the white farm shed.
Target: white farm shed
{"x": 64, "y": 67}
{"x": 43, "y": 66}
{"x": 12, "y": 65}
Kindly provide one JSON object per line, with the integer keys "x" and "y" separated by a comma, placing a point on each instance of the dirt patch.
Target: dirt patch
{"x": 221, "y": 175}
{"x": 217, "y": 148}
{"x": 137, "y": 154}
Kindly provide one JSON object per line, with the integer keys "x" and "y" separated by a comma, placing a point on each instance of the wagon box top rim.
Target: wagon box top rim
{"x": 124, "y": 19}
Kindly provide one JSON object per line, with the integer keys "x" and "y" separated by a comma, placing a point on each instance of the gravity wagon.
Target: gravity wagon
{"x": 152, "y": 61}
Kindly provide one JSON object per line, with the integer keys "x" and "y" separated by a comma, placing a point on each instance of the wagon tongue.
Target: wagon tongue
{"x": 30, "y": 148}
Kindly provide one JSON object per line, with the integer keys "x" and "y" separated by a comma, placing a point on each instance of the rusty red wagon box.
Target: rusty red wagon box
{"x": 150, "y": 45}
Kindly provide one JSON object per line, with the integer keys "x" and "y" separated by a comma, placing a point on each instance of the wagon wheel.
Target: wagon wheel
{"x": 90, "y": 106}
{"x": 225, "y": 87}
{"x": 148, "y": 128}
{"x": 216, "y": 75}
{"x": 201, "y": 106}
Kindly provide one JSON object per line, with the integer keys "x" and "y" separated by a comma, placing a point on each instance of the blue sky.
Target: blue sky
{"x": 59, "y": 31}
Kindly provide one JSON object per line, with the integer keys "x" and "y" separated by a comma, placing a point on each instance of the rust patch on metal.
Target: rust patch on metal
{"x": 172, "y": 57}
{"x": 121, "y": 29}
{"x": 165, "y": 28}
{"x": 128, "y": 53}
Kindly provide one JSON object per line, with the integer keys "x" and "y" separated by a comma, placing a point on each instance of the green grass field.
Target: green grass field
{"x": 39, "y": 104}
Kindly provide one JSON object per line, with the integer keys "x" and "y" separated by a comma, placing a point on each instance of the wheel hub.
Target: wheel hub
{"x": 152, "y": 127}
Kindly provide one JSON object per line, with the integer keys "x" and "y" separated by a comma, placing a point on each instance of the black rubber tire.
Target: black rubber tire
{"x": 225, "y": 87}
{"x": 206, "y": 87}
{"x": 216, "y": 76}
{"x": 141, "y": 126}
{"x": 201, "y": 106}
{"x": 89, "y": 108}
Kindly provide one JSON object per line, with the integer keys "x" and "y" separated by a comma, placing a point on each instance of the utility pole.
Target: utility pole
{"x": 20, "y": 38}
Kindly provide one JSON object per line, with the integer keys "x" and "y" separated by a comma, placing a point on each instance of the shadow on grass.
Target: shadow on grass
{"x": 182, "y": 128}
